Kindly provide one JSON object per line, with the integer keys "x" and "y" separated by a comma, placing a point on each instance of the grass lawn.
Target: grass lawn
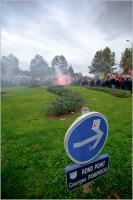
{"x": 33, "y": 155}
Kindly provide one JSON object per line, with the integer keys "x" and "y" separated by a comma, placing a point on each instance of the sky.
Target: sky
{"x": 73, "y": 28}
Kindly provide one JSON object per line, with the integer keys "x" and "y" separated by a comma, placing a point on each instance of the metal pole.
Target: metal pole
{"x": 87, "y": 188}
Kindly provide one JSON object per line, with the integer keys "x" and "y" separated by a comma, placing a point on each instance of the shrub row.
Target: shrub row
{"x": 113, "y": 91}
{"x": 68, "y": 101}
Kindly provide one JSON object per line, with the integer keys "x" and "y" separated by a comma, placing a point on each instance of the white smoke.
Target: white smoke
{"x": 62, "y": 78}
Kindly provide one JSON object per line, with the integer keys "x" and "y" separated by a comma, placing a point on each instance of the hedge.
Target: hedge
{"x": 113, "y": 91}
{"x": 68, "y": 101}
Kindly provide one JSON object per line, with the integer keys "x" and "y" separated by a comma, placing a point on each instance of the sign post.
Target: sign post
{"x": 83, "y": 142}
{"x": 87, "y": 188}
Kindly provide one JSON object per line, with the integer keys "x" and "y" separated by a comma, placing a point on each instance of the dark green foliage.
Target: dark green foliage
{"x": 102, "y": 61}
{"x": 114, "y": 92}
{"x": 67, "y": 102}
{"x": 126, "y": 60}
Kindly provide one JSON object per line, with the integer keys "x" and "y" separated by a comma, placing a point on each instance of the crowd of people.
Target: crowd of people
{"x": 122, "y": 82}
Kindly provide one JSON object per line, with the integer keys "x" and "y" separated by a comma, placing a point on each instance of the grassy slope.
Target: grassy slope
{"x": 113, "y": 91}
{"x": 33, "y": 156}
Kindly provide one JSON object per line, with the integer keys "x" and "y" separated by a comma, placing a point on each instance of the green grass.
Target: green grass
{"x": 33, "y": 156}
{"x": 113, "y": 91}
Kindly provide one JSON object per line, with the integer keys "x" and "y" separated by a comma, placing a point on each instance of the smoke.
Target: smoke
{"x": 13, "y": 76}
{"x": 61, "y": 78}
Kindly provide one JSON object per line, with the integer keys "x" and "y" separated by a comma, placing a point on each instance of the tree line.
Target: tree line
{"x": 105, "y": 59}
{"x": 41, "y": 73}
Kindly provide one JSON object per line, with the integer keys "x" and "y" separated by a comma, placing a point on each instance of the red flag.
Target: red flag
{"x": 130, "y": 72}
{"x": 116, "y": 76}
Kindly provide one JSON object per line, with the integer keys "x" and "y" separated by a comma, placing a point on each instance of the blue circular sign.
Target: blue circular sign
{"x": 86, "y": 137}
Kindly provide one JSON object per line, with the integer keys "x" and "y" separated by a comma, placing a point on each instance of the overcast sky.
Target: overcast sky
{"x": 73, "y": 28}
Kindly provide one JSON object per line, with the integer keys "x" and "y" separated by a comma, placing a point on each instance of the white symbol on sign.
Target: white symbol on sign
{"x": 73, "y": 175}
{"x": 96, "y": 123}
{"x": 97, "y": 137}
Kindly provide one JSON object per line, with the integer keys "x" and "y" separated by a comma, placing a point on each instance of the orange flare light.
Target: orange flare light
{"x": 63, "y": 80}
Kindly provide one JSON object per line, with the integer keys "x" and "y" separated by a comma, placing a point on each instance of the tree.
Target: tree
{"x": 59, "y": 63}
{"x": 39, "y": 67}
{"x": 126, "y": 60}
{"x": 70, "y": 71}
{"x": 97, "y": 62}
{"x": 103, "y": 61}
{"x": 9, "y": 66}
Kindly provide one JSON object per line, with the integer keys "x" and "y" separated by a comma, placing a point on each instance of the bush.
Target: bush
{"x": 67, "y": 102}
{"x": 113, "y": 91}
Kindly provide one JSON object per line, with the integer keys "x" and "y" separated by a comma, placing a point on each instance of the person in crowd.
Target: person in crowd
{"x": 92, "y": 82}
{"x": 98, "y": 82}
{"x": 130, "y": 84}
{"x": 117, "y": 84}
{"x": 106, "y": 82}
{"x": 112, "y": 82}
{"x": 126, "y": 84}
{"x": 122, "y": 83}
{"x": 102, "y": 83}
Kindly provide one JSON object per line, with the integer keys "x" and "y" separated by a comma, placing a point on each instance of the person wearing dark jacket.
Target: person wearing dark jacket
{"x": 122, "y": 83}
{"x": 126, "y": 84}
{"x": 113, "y": 83}
{"x": 117, "y": 84}
{"x": 130, "y": 84}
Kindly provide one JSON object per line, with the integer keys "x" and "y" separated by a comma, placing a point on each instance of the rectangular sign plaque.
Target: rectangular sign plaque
{"x": 78, "y": 174}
